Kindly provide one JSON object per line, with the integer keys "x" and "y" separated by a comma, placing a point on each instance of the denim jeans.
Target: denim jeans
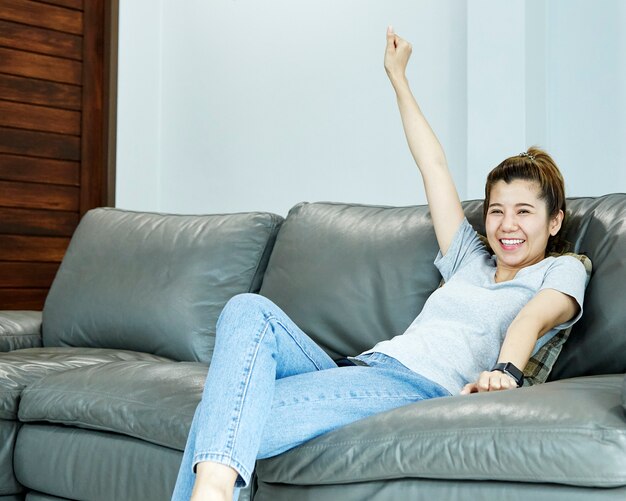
{"x": 270, "y": 388}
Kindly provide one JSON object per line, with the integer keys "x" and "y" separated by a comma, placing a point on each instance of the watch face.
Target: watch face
{"x": 514, "y": 372}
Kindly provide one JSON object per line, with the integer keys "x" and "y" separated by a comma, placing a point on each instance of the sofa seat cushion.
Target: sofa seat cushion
{"x": 566, "y": 432}
{"x": 8, "y": 482}
{"x": 20, "y": 368}
{"x": 152, "y": 401}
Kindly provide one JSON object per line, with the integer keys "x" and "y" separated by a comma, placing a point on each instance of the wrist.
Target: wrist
{"x": 399, "y": 81}
{"x": 510, "y": 370}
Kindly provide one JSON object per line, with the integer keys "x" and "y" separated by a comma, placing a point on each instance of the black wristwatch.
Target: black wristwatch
{"x": 511, "y": 370}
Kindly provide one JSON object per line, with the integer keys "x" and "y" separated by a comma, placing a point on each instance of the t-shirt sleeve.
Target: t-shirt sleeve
{"x": 464, "y": 248}
{"x": 567, "y": 274}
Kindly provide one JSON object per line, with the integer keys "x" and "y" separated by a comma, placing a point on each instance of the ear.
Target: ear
{"x": 555, "y": 223}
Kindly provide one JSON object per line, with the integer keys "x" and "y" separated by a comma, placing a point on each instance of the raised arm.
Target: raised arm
{"x": 443, "y": 199}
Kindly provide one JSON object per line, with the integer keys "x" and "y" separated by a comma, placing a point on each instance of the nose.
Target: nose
{"x": 509, "y": 222}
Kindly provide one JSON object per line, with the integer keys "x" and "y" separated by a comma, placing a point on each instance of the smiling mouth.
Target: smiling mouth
{"x": 510, "y": 243}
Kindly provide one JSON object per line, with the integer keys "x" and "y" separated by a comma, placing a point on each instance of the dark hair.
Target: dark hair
{"x": 535, "y": 165}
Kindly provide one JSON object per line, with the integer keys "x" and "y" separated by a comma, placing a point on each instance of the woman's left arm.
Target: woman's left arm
{"x": 541, "y": 314}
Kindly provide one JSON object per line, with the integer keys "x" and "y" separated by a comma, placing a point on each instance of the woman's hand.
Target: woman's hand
{"x": 397, "y": 54}
{"x": 490, "y": 381}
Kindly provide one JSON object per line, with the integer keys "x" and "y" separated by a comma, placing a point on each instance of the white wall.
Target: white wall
{"x": 138, "y": 174}
{"x": 586, "y": 113}
{"x": 228, "y": 106}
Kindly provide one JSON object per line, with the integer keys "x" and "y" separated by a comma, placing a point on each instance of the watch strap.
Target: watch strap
{"x": 510, "y": 369}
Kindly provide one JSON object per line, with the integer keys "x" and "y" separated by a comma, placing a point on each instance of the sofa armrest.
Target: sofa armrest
{"x": 19, "y": 329}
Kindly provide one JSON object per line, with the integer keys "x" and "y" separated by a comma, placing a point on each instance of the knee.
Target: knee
{"x": 246, "y": 301}
{"x": 246, "y": 305}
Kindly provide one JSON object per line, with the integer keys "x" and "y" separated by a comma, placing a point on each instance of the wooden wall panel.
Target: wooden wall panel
{"x": 72, "y": 4}
{"x": 41, "y": 144}
{"x": 39, "y": 170}
{"x": 39, "y": 196}
{"x": 43, "y": 15}
{"x": 53, "y": 135}
{"x": 31, "y": 275}
{"x": 23, "y": 299}
{"x": 41, "y": 118}
{"x": 28, "y": 90}
{"x": 29, "y": 64}
{"x": 44, "y": 41}
{"x": 30, "y": 248}
{"x": 17, "y": 221}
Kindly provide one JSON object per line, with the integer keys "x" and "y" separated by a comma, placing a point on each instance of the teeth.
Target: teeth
{"x": 507, "y": 241}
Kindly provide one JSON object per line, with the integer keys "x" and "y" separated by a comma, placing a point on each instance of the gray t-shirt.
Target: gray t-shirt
{"x": 460, "y": 330}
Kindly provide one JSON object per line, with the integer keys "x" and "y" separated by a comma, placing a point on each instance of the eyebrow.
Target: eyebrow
{"x": 523, "y": 204}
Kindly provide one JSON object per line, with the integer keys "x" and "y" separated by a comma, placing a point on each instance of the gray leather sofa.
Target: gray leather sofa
{"x": 98, "y": 392}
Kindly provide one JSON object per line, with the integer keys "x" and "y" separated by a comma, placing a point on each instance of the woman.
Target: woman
{"x": 271, "y": 388}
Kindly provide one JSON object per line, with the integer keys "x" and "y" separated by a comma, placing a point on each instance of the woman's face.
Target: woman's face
{"x": 517, "y": 224}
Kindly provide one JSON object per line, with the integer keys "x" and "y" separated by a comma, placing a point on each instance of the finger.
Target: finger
{"x": 495, "y": 382}
{"x": 469, "y": 388}
{"x": 483, "y": 381}
{"x": 391, "y": 38}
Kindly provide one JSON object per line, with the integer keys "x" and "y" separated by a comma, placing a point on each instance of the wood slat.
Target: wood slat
{"x": 29, "y": 64}
{"x": 95, "y": 126}
{"x": 23, "y": 299}
{"x": 42, "y": 118}
{"x": 44, "y": 41}
{"x": 39, "y": 144}
{"x": 32, "y": 248}
{"x": 72, "y": 4}
{"x": 37, "y": 222}
{"x": 43, "y": 15}
{"x": 31, "y": 91}
{"x": 38, "y": 170}
{"x": 38, "y": 196}
{"x": 35, "y": 275}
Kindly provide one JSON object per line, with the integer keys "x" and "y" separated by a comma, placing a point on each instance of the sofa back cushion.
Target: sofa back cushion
{"x": 154, "y": 283}
{"x": 597, "y": 344}
{"x": 352, "y": 275}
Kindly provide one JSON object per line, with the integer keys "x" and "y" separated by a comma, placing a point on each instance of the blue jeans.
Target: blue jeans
{"x": 270, "y": 388}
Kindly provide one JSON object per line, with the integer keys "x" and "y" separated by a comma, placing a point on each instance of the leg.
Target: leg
{"x": 308, "y": 405}
{"x": 256, "y": 344}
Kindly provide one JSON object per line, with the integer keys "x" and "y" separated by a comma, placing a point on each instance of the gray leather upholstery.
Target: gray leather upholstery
{"x": 38, "y": 496}
{"x": 152, "y": 282}
{"x": 597, "y": 344}
{"x": 135, "y": 286}
{"x": 19, "y": 329}
{"x": 20, "y": 368}
{"x": 415, "y": 489}
{"x": 352, "y": 275}
{"x": 92, "y": 465}
{"x": 152, "y": 401}
{"x": 8, "y": 433}
{"x": 521, "y": 436}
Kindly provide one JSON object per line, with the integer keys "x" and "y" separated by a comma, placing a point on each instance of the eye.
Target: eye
{"x": 524, "y": 211}
{"x": 495, "y": 211}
